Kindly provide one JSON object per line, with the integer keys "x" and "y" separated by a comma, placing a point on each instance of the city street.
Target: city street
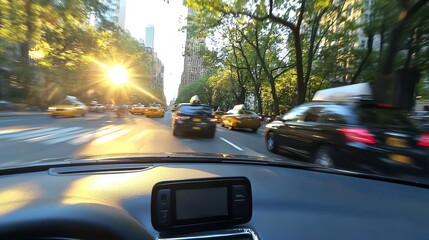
{"x": 29, "y": 138}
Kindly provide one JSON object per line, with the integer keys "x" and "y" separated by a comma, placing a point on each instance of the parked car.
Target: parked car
{"x": 353, "y": 134}
{"x": 8, "y": 106}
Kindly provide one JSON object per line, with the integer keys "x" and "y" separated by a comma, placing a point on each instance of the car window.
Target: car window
{"x": 233, "y": 111}
{"x": 246, "y": 112}
{"x": 375, "y": 116}
{"x": 195, "y": 110}
{"x": 335, "y": 114}
{"x": 313, "y": 114}
{"x": 296, "y": 114}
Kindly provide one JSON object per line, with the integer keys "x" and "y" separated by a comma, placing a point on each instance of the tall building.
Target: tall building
{"x": 193, "y": 68}
{"x": 116, "y": 13}
{"x": 149, "y": 36}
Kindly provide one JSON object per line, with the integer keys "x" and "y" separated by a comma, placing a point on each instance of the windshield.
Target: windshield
{"x": 135, "y": 67}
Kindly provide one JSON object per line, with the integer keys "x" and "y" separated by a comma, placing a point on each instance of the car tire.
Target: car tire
{"x": 211, "y": 134}
{"x": 175, "y": 133}
{"x": 230, "y": 127}
{"x": 325, "y": 157}
{"x": 271, "y": 143}
{"x": 254, "y": 130}
{"x": 52, "y": 115}
{"x": 82, "y": 114}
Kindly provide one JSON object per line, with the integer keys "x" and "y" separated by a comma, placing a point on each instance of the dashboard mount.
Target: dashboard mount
{"x": 201, "y": 204}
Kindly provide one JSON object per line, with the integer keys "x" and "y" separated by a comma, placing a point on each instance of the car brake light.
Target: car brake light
{"x": 182, "y": 118}
{"x": 384, "y": 105}
{"x": 358, "y": 135}
{"x": 424, "y": 140}
{"x": 213, "y": 120}
{"x": 237, "y": 117}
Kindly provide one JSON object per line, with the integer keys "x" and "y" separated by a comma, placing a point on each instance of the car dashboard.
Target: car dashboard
{"x": 113, "y": 201}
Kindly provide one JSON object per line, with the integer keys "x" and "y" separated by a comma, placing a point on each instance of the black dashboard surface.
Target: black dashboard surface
{"x": 287, "y": 203}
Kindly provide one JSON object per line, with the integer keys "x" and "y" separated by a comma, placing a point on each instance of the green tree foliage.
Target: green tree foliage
{"x": 49, "y": 49}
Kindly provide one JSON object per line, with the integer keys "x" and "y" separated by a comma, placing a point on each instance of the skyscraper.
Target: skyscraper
{"x": 116, "y": 13}
{"x": 149, "y": 36}
{"x": 193, "y": 68}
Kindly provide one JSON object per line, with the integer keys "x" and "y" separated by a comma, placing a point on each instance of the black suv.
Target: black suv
{"x": 193, "y": 118}
{"x": 360, "y": 136}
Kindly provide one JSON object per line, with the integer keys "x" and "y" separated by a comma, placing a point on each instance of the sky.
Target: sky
{"x": 169, "y": 42}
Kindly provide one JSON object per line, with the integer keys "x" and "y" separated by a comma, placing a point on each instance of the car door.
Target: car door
{"x": 285, "y": 133}
{"x": 307, "y": 132}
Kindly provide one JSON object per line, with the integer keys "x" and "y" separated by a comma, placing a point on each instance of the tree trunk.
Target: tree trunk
{"x": 365, "y": 59}
{"x": 301, "y": 85}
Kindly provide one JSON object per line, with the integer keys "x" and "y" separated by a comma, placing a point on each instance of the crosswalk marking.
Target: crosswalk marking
{"x": 51, "y": 135}
{"x": 13, "y": 130}
{"x": 111, "y": 136}
{"x": 16, "y": 133}
{"x": 65, "y": 137}
{"x": 33, "y": 134}
{"x": 69, "y": 135}
{"x": 90, "y": 136}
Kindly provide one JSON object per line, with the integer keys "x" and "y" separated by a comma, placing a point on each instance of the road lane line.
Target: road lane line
{"x": 65, "y": 137}
{"x": 57, "y": 134}
{"x": 14, "y": 130}
{"x": 109, "y": 137}
{"x": 96, "y": 133}
{"x": 29, "y": 134}
{"x": 230, "y": 143}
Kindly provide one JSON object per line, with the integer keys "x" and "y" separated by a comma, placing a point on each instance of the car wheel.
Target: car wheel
{"x": 324, "y": 157}
{"x": 211, "y": 134}
{"x": 270, "y": 142}
{"x": 82, "y": 114}
{"x": 175, "y": 132}
{"x": 254, "y": 130}
{"x": 230, "y": 127}
{"x": 52, "y": 115}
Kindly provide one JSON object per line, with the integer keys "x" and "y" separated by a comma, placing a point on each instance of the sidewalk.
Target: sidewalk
{"x": 21, "y": 113}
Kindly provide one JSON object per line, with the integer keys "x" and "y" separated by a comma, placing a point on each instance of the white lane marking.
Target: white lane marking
{"x": 66, "y": 137}
{"x": 29, "y": 134}
{"x": 109, "y": 137}
{"x": 96, "y": 133}
{"x": 60, "y": 132}
{"x": 14, "y": 130}
{"x": 232, "y": 144}
{"x": 47, "y": 133}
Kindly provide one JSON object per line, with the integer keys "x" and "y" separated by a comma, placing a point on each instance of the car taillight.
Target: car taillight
{"x": 424, "y": 140}
{"x": 213, "y": 120}
{"x": 237, "y": 117}
{"x": 358, "y": 135}
{"x": 182, "y": 118}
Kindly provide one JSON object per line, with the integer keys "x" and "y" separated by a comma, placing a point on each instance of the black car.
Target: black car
{"x": 360, "y": 136}
{"x": 193, "y": 118}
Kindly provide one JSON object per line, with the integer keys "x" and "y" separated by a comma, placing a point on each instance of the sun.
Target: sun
{"x": 118, "y": 74}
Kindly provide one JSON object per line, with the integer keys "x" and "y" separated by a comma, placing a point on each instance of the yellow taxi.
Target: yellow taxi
{"x": 238, "y": 117}
{"x": 154, "y": 111}
{"x": 68, "y": 109}
{"x": 137, "y": 109}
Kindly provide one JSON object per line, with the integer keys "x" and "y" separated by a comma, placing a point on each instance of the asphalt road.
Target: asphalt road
{"x": 29, "y": 138}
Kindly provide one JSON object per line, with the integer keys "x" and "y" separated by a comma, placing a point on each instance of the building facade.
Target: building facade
{"x": 193, "y": 68}
{"x": 116, "y": 12}
{"x": 149, "y": 36}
